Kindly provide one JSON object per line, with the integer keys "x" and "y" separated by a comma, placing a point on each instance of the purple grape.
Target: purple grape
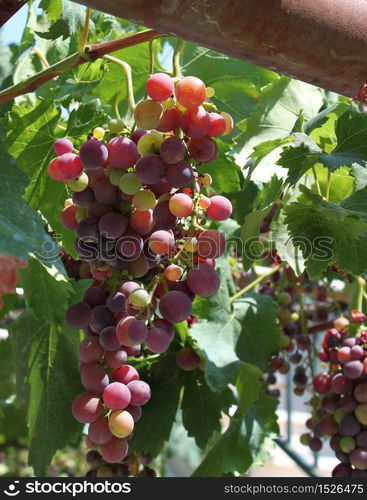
{"x": 86, "y": 407}
{"x": 99, "y": 432}
{"x": 93, "y": 153}
{"x": 94, "y": 378}
{"x": 203, "y": 280}
{"x": 135, "y": 412}
{"x": 180, "y": 174}
{"x": 173, "y": 150}
{"x": 116, "y": 302}
{"x": 84, "y": 199}
{"x": 108, "y": 339}
{"x": 163, "y": 217}
{"x": 116, "y": 396}
{"x": 123, "y": 153}
{"x": 150, "y": 169}
{"x": 342, "y": 470}
{"x": 78, "y": 315}
{"x": 361, "y": 439}
{"x": 137, "y": 134}
{"x": 138, "y": 267}
{"x": 101, "y": 317}
{"x": 175, "y": 306}
{"x": 349, "y": 426}
{"x": 63, "y": 146}
{"x": 115, "y": 359}
{"x": 358, "y": 458}
{"x": 94, "y": 296}
{"x": 105, "y": 192}
{"x": 112, "y": 225}
{"x": 187, "y": 359}
{"x": 158, "y": 340}
{"x": 353, "y": 369}
{"x": 127, "y": 287}
{"x": 130, "y": 245}
{"x": 90, "y": 350}
{"x": 87, "y": 230}
{"x": 140, "y": 392}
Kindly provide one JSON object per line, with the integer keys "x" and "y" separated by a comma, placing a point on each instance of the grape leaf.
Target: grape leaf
{"x": 22, "y": 229}
{"x": 65, "y": 19}
{"x": 360, "y": 175}
{"x": 47, "y": 292}
{"x": 357, "y": 202}
{"x": 85, "y": 118}
{"x": 152, "y": 431}
{"x": 351, "y": 142}
{"x": 278, "y": 109}
{"x": 250, "y": 433}
{"x": 327, "y": 233}
{"x": 260, "y": 336}
{"x": 47, "y": 381}
{"x": 225, "y": 172}
{"x": 201, "y": 408}
{"x": 299, "y": 156}
{"x": 216, "y": 336}
{"x": 30, "y": 139}
{"x": 251, "y": 225}
{"x": 229, "y": 336}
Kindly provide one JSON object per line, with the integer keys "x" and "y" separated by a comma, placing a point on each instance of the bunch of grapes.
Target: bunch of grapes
{"x": 340, "y": 405}
{"x": 141, "y": 212}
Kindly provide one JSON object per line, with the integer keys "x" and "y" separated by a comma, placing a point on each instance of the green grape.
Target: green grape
{"x": 116, "y": 125}
{"x": 115, "y": 176}
{"x": 130, "y": 183}
{"x": 144, "y": 200}
{"x": 80, "y": 183}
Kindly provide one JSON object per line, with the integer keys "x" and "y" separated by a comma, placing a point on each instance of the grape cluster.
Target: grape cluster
{"x": 141, "y": 212}
{"x": 340, "y": 405}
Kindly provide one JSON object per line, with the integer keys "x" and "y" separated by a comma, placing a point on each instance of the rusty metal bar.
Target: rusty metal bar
{"x": 8, "y": 8}
{"x": 323, "y": 42}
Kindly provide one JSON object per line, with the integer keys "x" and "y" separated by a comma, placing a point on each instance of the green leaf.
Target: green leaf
{"x": 260, "y": 336}
{"x": 47, "y": 381}
{"x": 216, "y": 336}
{"x": 53, "y": 8}
{"x": 351, "y": 142}
{"x": 152, "y": 431}
{"x": 47, "y": 292}
{"x": 357, "y": 202}
{"x": 279, "y": 107}
{"x": 360, "y": 175}
{"x": 201, "y": 408}
{"x": 302, "y": 154}
{"x": 250, "y": 434}
{"x": 65, "y": 19}
{"x": 288, "y": 252}
{"x": 225, "y": 172}
{"x": 327, "y": 233}
{"x": 21, "y": 228}
{"x": 341, "y": 185}
{"x": 85, "y": 118}
{"x": 30, "y": 139}
{"x": 251, "y": 225}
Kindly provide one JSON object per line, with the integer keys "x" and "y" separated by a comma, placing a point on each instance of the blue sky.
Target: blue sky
{"x": 12, "y": 31}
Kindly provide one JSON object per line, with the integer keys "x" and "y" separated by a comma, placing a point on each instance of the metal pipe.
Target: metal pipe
{"x": 320, "y": 42}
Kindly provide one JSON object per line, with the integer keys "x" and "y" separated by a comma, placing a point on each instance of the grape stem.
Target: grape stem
{"x": 84, "y": 35}
{"x": 41, "y": 57}
{"x": 316, "y": 180}
{"x": 129, "y": 84}
{"x": 91, "y": 53}
{"x": 328, "y": 184}
{"x": 256, "y": 282}
{"x": 177, "y": 56}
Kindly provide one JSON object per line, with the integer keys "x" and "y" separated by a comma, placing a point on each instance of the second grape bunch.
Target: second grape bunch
{"x": 141, "y": 212}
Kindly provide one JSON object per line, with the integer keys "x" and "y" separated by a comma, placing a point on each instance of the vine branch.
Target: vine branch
{"x": 84, "y": 36}
{"x": 257, "y": 281}
{"x": 92, "y": 52}
{"x": 126, "y": 68}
